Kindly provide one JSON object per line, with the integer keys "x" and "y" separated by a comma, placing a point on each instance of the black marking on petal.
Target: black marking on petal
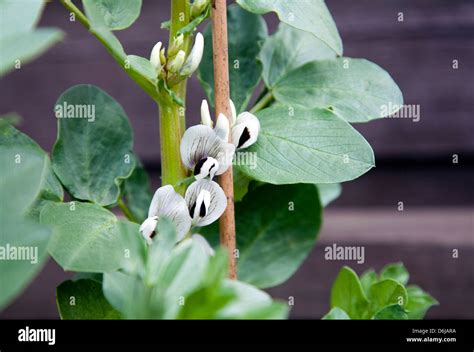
{"x": 191, "y": 210}
{"x": 212, "y": 166}
{"x": 153, "y": 234}
{"x": 197, "y": 168}
{"x": 202, "y": 210}
{"x": 244, "y": 137}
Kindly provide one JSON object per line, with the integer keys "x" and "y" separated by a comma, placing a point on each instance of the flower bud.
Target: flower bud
{"x": 205, "y": 114}
{"x": 198, "y": 7}
{"x": 155, "y": 56}
{"x": 194, "y": 57}
{"x": 176, "y": 45}
{"x": 177, "y": 62}
{"x": 163, "y": 57}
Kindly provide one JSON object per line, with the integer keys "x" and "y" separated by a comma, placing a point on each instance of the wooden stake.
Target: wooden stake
{"x": 221, "y": 89}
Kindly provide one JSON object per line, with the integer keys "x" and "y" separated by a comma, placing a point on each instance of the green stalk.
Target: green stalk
{"x": 172, "y": 116}
{"x": 264, "y": 102}
{"x": 123, "y": 207}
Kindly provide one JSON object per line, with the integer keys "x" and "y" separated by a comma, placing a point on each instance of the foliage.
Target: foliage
{"x": 384, "y": 296}
{"x": 306, "y": 146}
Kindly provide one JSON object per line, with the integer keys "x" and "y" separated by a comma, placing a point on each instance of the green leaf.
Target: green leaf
{"x": 83, "y": 238}
{"x": 19, "y": 40}
{"x": 251, "y": 303}
{"x": 336, "y": 313}
{"x": 131, "y": 246}
{"x": 241, "y": 184}
{"x": 137, "y": 192}
{"x": 274, "y": 241}
{"x": 83, "y": 299}
{"x": 392, "y": 312}
{"x": 419, "y": 302}
{"x": 93, "y": 152}
{"x": 329, "y": 192}
{"x": 10, "y": 137}
{"x": 356, "y": 90}
{"x": 113, "y": 14}
{"x": 246, "y": 33}
{"x": 385, "y": 293}
{"x": 20, "y": 48}
{"x": 288, "y": 49}
{"x": 140, "y": 69}
{"x": 111, "y": 43}
{"x": 318, "y": 148}
{"x": 348, "y": 295}
{"x": 22, "y": 241}
{"x": 19, "y": 16}
{"x": 191, "y": 26}
{"x": 11, "y": 118}
{"x": 20, "y": 238}
{"x": 310, "y": 16}
{"x": 397, "y": 272}
{"x": 367, "y": 279}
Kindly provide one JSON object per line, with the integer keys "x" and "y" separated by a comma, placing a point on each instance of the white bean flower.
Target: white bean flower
{"x": 204, "y": 203}
{"x": 205, "y": 153}
{"x": 168, "y": 203}
{"x": 244, "y": 128}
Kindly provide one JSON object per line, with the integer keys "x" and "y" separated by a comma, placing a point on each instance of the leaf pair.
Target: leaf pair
{"x": 374, "y": 297}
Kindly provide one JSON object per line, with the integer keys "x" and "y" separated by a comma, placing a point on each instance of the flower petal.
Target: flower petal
{"x": 194, "y": 57}
{"x": 234, "y": 112}
{"x": 201, "y": 142}
{"x": 148, "y": 227}
{"x": 155, "y": 56}
{"x": 167, "y": 202}
{"x": 204, "y": 244}
{"x": 222, "y": 127}
{"x": 205, "y": 114}
{"x": 207, "y": 166}
{"x": 245, "y": 131}
{"x": 217, "y": 203}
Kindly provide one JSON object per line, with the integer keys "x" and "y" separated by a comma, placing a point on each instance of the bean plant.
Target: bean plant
{"x": 286, "y": 141}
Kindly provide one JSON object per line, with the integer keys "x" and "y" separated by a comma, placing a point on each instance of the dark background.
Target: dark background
{"x": 414, "y": 159}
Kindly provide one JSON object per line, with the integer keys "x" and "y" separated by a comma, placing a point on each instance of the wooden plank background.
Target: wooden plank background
{"x": 414, "y": 159}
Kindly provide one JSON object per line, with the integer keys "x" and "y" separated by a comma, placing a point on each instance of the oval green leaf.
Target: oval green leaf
{"x": 23, "y": 242}
{"x": 355, "y": 89}
{"x": 84, "y": 237}
{"x": 113, "y": 14}
{"x": 93, "y": 152}
{"x": 348, "y": 295}
{"x": 311, "y": 16}
{"x": 83, "y": 299}
{"x": 318, "y": 148}
{"x": 288, "y": 49}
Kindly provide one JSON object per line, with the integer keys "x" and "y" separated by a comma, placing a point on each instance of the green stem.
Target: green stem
{"x": 78, "y": 13}
{"x": 180, "y": 17}
{"x": 123, "y": 207}
{"x": 263, "y": 102}
{"x": 172, "y": 169}
{"x": 172, "y": 116}
{"x": 115, "y": 50}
